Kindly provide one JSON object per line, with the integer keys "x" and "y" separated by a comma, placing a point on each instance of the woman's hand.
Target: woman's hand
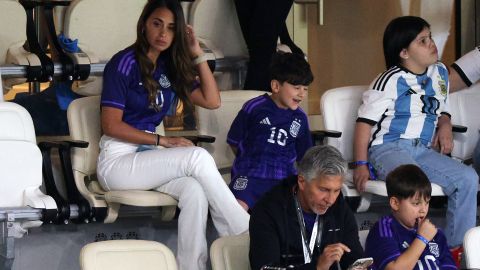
{"x": 193, "y": 44}
{"x": 170, "y": 142}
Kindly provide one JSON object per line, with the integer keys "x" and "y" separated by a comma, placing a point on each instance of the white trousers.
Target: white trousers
{"x": 188, "y": 174}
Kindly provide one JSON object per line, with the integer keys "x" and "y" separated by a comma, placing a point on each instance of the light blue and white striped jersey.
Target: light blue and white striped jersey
{"x": 403, "y": 105}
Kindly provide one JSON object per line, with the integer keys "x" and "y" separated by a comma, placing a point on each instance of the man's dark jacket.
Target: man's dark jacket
{"x": 275, "y": 231}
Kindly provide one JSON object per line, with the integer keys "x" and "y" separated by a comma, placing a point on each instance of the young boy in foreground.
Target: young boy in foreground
{"x": 407, "y": 239}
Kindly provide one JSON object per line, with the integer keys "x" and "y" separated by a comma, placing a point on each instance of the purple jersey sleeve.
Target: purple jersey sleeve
{"x": 115, "y": 81}
{"x": 381, "y": 243}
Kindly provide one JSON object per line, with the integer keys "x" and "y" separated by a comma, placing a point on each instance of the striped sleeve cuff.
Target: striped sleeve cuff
{"x": 468, "y": 66}
{"x": 367, "y": 121}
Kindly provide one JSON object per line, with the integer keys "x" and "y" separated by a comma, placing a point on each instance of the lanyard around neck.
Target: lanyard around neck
{"x": 316, "y": 236}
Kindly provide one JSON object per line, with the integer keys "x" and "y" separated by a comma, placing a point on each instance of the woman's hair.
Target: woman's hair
{"x": 407, "y": 181}
{"x": 178, "y": 60}
{"x": 398, "y": 35}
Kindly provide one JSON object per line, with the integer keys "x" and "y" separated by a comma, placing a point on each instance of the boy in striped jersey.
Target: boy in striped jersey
{"x": 407, "y": 239}
{"x": 271, "y": 132}
{"x": 404, "y": 119}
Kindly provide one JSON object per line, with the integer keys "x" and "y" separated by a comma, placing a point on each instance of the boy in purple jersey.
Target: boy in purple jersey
{"x": 271, "y": 132}
{"x": 407, "y": 239}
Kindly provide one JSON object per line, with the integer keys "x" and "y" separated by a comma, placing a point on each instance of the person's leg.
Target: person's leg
{"x": 242, "y": 188}
{"x": 263, "y": 28}
{"x": 244, "y": 12}
{"x": 249, "y": 190}
{"x": 460, "y": 183}
{"x": 120, "y": 168}
{"x": 228, "y": 216}
{"x": 476, "y": 157}
{"x": 192, "y": 252}
{"x": 388, "y": 156}
{"x": 287, "y": 40}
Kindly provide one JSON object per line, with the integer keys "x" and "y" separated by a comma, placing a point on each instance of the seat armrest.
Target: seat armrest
{"x": 62, "y": 214}
{"x": 459, "y": 129}
{"x": 200, "y": 139}
{"x": 320, "y": 135}
{"x": 77, "y": 143}
{"x": 47, "y": 145}
{"x": 456, "y": 129}
{"x": 73, "y": 195}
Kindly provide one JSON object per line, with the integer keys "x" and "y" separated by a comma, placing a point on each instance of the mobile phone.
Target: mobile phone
{"x": 362, "y": 263}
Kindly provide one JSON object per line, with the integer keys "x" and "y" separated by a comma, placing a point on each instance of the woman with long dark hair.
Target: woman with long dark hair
{"x": 142, "y": 84}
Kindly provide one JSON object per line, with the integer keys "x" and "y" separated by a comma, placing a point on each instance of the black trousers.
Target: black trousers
{"x": 262, "y": 22}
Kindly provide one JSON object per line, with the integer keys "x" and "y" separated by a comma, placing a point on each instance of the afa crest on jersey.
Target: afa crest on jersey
{"x": 163, "y": 81}
{"x": 443, "y": 87}
{"x": 295, "y": 128}
{"x": 433, "y": 247}
{"x": 240, "y": 183}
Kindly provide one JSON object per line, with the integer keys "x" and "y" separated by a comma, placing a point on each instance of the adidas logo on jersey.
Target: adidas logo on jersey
{"x": 265, "y": 121}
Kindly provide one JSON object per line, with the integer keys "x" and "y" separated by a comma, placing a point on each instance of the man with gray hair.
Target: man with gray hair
{"x": 303, "y": 222}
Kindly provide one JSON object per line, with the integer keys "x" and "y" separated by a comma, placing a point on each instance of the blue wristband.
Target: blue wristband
{"x": 371, "y": 170}
{"x": 361, "y": 162}
{"x": 423, "y": 239}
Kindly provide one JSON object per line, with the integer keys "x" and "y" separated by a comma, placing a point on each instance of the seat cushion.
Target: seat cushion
{"x": 140, "y": 198}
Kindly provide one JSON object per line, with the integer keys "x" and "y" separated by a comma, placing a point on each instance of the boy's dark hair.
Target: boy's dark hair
{"x": 400, "y": 32}
{"x": 406, "y": 181}
{"x": 291, "y": 68}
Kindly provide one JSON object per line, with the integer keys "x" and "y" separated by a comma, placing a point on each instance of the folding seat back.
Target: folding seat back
{"x": 230, "y": 253}
{"x": 339, "y": 108}
{"x": 13, "y": 37}
{"x": 84, "y": 123}
{"x": 21, "y": 163}
{"x": 219, "y": 29}
{"x": 84, "y": 160}
{"x": 127, "y": 254}
{"x": 471, "y": 247}
{"x": 13, "y": 15}
{"x": 465, "y": 111}
{"x": 102, "y": 27}
{"x": 20, "y": 158}
{"x": 217, "y": 123}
